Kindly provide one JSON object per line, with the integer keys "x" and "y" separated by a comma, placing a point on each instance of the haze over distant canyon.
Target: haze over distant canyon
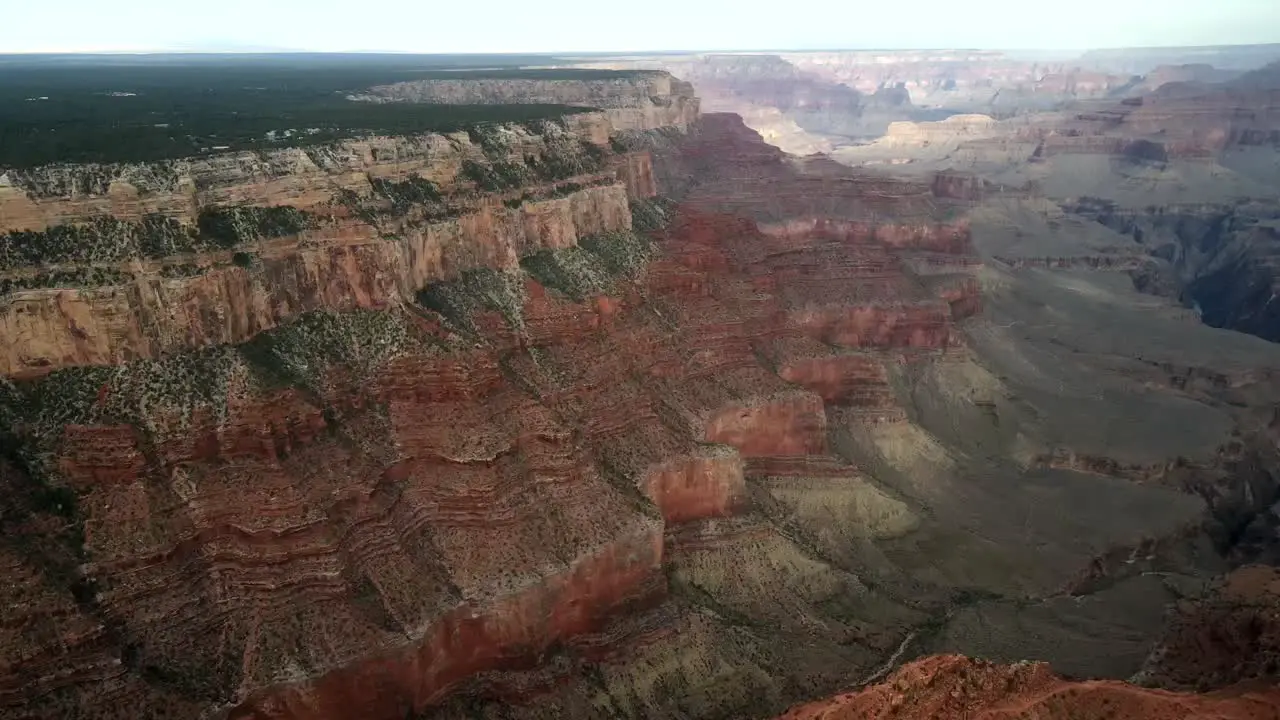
{"x": 824, "y": 384}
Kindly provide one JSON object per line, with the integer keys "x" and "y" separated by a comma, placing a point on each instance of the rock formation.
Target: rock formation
{"x": 956, "y": 687}
{"x": 242, "y": 440}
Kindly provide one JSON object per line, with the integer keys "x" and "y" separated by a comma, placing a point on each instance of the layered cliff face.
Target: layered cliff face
{"x": 109, "y": 263}
{"x": 413, "y": 431}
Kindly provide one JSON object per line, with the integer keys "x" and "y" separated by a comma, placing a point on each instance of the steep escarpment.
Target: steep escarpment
{"x": 103, "y": 264}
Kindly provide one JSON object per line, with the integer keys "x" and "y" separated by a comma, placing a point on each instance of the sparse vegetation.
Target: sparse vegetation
{"x": 73, "y": 278}
{"x": 558, "y": 191}
{"x": 574, "y": 272}
{"x": 107, "y": 239}
{"x": 491, "y": 139}
{"x": 565, "y": 159}
{"x": 477, "y": 290}
{"x": 228, "y": 227}
{"x": 404, "y": 194}
{"x": 182, "y": 270}
{"x": 302, "y": 352}
{"x": 592, "y": 268}
{"x": 651, "y": 215}
{"x": 495, "y": 177}
{"x": 623, "y": 253}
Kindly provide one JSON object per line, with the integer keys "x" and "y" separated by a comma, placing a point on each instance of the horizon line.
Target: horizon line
{"x": 571, "y": 53}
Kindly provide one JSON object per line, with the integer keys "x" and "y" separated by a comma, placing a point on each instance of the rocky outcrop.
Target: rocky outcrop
{"x": 953, "y": 686}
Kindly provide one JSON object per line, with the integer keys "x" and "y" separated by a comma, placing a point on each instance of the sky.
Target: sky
{"x": 453, "y": 26}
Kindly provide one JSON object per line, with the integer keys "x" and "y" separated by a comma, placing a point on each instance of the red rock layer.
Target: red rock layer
{"x": 512, "y": 633}
{"x": 703, "y": 485}
{"x": 951, "y": 686}
{"x": 794, "y": 424}
{"x": 858, "y": 380}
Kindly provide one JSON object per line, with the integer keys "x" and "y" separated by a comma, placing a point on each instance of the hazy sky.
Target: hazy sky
{"x": 621, "y": 25}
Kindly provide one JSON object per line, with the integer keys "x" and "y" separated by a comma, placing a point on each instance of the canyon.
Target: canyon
{"x": 756, "y": 380}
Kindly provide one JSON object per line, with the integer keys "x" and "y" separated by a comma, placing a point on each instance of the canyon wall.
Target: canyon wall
{"x": 435, "y": 438}
{"x": 337, "y": 232}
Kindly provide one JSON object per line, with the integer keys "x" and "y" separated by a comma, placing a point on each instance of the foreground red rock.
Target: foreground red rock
{"x": 953, "y": 686}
